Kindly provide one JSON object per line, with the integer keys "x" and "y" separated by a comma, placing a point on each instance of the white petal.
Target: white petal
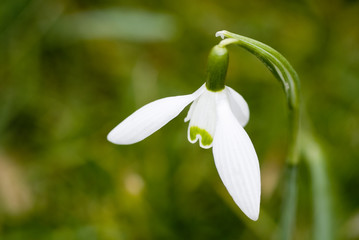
{"x": 150, "y": 118}
{"x": 236, "y": 160}
{"x": 203, "y": 120}
{"x": 238, "y": 105}
{"x": 190, "y": 111}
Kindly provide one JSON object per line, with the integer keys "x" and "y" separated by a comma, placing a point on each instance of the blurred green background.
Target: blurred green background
{"x": 72, "y": 70}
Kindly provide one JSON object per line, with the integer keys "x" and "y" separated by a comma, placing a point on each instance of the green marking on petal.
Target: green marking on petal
{"x": 206, "y": 138}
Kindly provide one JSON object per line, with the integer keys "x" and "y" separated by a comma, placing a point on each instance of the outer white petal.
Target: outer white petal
{"x": 238, "y": 105}
{"x": 236, "y": 160}
{"x": 150, "y": 118}
{"x": 203, "y": 120}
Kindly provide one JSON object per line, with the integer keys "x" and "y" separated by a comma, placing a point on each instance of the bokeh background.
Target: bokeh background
{"x": 72, "y": 70}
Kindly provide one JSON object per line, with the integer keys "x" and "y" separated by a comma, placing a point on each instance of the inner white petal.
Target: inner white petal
{"x": 203, "y": 120}
{"x": 238, "y": 106}
{"x": 190, "y": 111}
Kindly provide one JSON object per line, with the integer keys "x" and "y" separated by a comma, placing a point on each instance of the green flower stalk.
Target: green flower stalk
{"x": 285, "y": 73}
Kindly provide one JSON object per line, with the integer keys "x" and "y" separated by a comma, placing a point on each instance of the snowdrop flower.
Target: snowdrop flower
{"x": 216, "y": 119}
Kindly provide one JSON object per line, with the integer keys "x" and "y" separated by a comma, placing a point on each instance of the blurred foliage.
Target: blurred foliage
{"x": 71, "y": 70}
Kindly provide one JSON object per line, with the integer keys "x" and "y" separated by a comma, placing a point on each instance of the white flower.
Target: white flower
{"x": 216, "y": 120}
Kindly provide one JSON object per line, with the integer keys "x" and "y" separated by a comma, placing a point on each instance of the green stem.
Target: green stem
{"x": 289, "y": 202}
{"x": 285, "y": 73}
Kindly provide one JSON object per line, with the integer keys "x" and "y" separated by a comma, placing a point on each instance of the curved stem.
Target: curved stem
{"x": 285, "y": 73}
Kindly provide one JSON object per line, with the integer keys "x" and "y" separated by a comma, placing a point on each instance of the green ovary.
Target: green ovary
{"x": 206, "y": 138}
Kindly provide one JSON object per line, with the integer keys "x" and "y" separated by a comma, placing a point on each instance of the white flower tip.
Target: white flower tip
{"x": 117, "y": 137}
{"x": 111, "y": 137}
{"x": 220, "y": 34}
{"x": 253, "y": 215}
{"x": 255, "y": 218}
{"x": 249, "y": 205}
